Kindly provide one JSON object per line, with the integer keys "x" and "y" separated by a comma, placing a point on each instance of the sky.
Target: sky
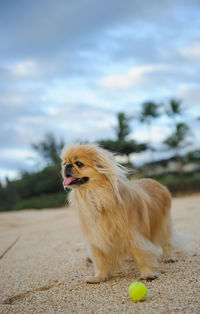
{"x": 68, "y": 67}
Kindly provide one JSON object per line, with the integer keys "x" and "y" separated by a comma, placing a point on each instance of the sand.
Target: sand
{"x": 43, "y": 268}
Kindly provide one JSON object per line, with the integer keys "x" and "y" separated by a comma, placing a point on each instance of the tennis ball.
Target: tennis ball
{"x": 137, "y": 291}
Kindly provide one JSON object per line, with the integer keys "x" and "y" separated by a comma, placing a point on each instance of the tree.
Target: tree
{"x": 174, "y": 109}
{"x": 177, "y": 140}
{"x": 8, "y": 195}
{"x": 122, "y": 145}
{"x": 193, "y": 156}
{"x": 148, "y": 113}
{"x": 122, "y": 129}
{"x": 37, "y": 189}
{"x": 125, "y": 148}
{"x": 49, "y": 149}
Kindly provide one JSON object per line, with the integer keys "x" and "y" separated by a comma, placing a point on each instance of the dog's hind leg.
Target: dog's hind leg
{"x": 166, "y": 242}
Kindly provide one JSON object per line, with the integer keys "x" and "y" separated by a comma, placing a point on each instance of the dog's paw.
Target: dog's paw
{"x": 94, "y": 280}
{"x": 170, "y": 260}
{"x": 149, "y": 276}
{"x": 99, "y": 277}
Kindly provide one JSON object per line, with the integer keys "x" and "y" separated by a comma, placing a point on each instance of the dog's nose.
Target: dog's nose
{"x": 68, "y": 169}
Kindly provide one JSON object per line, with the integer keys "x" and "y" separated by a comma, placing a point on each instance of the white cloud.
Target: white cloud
{"x": 63, "y": 74}
{"x": 192, "y": 51}
{"x": 7, "y": 173}
{"x": 72, "y": 92}
{"x": 190, "y": 93}
{"x": 15, "y": 160}
{"x": 156, "y": 134}
{"x": 13, "y": 99}
{"x": 25, "y": 69}
{"x": 135, "y": 76}
{"x": 17, "y": 153}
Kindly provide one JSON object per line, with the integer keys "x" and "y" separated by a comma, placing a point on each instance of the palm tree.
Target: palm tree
{"x": 122, "y": 129}
{"x": 174, "y": 108}
{"x": 150, "y": 111}
{"x": 177, "y": 139}
{"x": 122, "y": 145}
{"x": 181, "y": 131}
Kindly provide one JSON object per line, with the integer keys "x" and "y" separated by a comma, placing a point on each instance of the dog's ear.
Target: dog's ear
{"x": 101, "y": 166}
{"x": 105, "y": 164}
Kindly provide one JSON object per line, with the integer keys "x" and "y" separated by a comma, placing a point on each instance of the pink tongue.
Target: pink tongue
{"x": 67, "y": 181}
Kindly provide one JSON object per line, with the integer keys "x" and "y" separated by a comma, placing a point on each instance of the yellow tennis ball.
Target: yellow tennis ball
{"x": 137, "y": 291}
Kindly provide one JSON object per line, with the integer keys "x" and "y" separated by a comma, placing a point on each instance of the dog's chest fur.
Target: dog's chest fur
{"x": 99, "y": 226}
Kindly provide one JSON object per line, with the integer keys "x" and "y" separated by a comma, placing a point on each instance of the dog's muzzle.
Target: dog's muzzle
{"x": 68, "y": 170}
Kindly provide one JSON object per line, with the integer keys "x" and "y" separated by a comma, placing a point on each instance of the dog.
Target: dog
{"x": 118, "y": 217}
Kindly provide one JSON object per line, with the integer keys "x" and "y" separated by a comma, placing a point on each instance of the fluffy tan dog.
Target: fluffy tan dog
{"x": 119, "y": 218}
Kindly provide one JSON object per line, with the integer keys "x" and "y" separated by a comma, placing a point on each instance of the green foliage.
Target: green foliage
{"x": 177, "y": 139}
{"x": 31, "y": 188}
{"x": 174, "y": 108}
{"x": 122, "y": 129}
{"x": 8, "y": 196}
{"x": 40, "y": 189}
{"x": 180, "y": 131}
{"x": 123, "y": 147}
{"x": 149, "y": 111}
{"x": 42, "y": 201}
{"x": 49, "y": 149}
{"x": 44, "y": 188}
{"x": 193, "y": 156}
{"x": 47, "y": 180}
{"x": 181, "y": 182}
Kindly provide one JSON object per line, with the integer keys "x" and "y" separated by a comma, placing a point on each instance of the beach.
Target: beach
{"x": 43, "y": 267}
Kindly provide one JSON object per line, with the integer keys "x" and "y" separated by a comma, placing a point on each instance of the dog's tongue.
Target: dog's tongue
{"x": 68, "y": 180}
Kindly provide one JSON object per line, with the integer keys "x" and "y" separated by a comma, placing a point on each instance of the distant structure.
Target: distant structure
{"x": 171, "y": 165}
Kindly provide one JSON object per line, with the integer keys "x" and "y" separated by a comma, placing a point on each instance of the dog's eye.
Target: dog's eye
{"x": 79, "y": 164}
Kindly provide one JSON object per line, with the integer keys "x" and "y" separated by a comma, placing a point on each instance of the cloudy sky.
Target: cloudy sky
{"x": 68, "y": 67}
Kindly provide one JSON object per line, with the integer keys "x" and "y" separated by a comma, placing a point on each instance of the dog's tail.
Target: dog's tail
{"x": 182, "y": 243}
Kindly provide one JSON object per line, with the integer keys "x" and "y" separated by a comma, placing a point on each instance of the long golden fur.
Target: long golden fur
{"x": 119, "y": 218}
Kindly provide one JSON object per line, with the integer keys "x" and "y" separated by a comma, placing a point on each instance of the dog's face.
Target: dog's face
{"x": 80, "y": 166}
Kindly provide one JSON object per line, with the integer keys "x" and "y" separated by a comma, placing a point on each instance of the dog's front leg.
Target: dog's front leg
{"x": 102, "y": 269}
{"x": 146, "y": 256}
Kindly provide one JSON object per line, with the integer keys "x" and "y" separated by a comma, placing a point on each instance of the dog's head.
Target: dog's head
{"x": 89, "y": 166}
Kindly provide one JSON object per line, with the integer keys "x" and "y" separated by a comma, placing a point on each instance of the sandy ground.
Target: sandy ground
{"x": 43, "y": 268}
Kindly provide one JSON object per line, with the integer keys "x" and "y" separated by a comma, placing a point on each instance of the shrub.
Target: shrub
{"x": 43, "y": 201}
